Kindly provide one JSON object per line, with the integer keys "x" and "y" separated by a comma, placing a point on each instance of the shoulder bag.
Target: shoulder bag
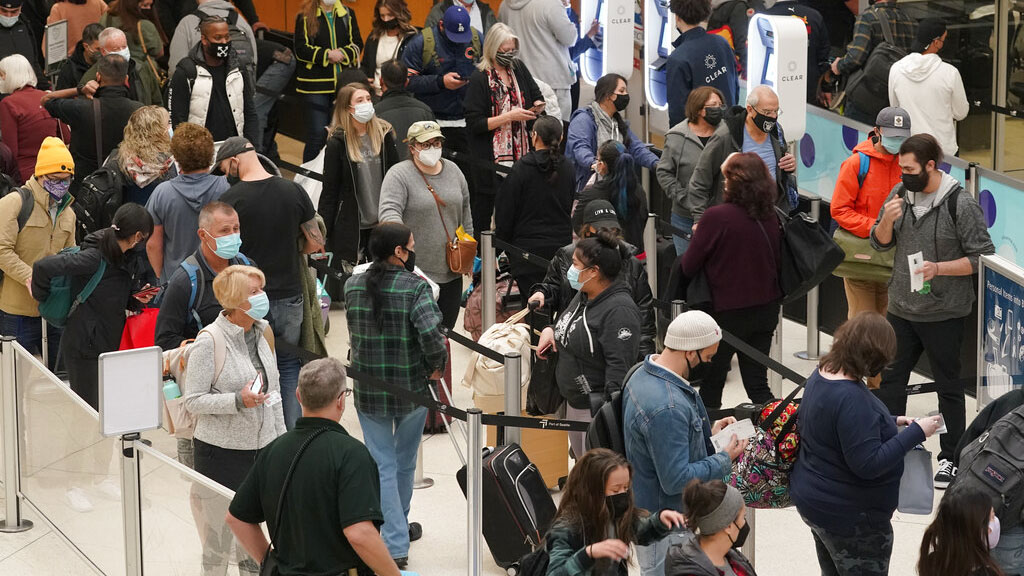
{"x": 809, "y": 255}
{"x": 459, "y": 252}
{"x": 159, "y": 73}
{"x": 761, "y": 473}
{"x": 269, "y": 565}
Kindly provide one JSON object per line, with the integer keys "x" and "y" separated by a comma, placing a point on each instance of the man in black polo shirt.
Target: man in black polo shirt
{"x": 331, "y": 517}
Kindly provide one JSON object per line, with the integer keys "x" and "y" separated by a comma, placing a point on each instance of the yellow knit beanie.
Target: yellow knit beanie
{"x": 54, "y": 157}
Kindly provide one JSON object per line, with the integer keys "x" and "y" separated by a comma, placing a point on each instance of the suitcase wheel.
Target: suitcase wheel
{"x": 512, "y": 570}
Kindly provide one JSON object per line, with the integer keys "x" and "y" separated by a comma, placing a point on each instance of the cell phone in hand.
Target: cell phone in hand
{"x": 152, "y": 291}
{"x": 257, "y": 384}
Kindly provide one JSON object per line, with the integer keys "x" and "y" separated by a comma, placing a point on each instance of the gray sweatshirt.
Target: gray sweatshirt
{"x": 404, "y": 198}
{"x": 682, "y": 150}
{"x": 935, "y": 234}
{"x": 221, "y": 418}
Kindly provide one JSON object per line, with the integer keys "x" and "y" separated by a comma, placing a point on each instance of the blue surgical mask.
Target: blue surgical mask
{"x": 9, "y": 21}
{"x": 260, "y": 305}
{"x": 227, "y": 245}
{"x": 573, "y": 276}
{"x": 892, "y": 143}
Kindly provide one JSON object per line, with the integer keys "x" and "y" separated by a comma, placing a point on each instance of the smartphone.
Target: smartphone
{"x": 152, "y": 291}
{"x": 257, "y": 384}
{"x": 538, "y": 108}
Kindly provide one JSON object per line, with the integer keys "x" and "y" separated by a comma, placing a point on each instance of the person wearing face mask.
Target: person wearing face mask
{"x": 481, "y": 16}
{"x": 360, "y": 151}
{"x": 79, "y": 14}
{"x": 666, "y": 427}
{"x": 598, "y": 336}
{"x": 754, "y": 130}
{"x": 50, "y": 228}
{"x": 502, "y": 101}
{"x": 818, "y": 47}
{"x": 405, "y": 197}
{"x": 864, "y": 182}
{"x": 17, "y": 36}
{"x": 617, "y": 183}
{"x": 846, "y": 480}
{"x": 963, "y": 538}
{"x": 699, "y": 59}
{"x": 395, "y": 328}
{"x": 142, "y": 83}
{"x": 238, "y": 411}
{"x": 603, "y": 120}
{"x": 86, "y": 53}
{"x": 391, "y": 33}
{"x": 716, "y": 514}
{"x": 212, "y": 88}
{"x": 95, "y": 326}
{"x": 684, "y": 143}
{"x": 23, "y": 123}
{"x": 176, "y": 203}
{"x": 590, "y": 535}
{"x": 929, "y": 214}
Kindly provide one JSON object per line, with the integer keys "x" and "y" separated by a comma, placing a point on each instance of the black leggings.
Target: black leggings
{"x": 755, "y": 326}
{"x": 449, "y": 301}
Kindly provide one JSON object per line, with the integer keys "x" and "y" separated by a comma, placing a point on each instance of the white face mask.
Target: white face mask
{"x": 328, "y": 3}
{"x": 125, "y": 53}
{"x": 8, "y": 21}
{"x": 363, "y": 112}
{"x": 430, "y": 157}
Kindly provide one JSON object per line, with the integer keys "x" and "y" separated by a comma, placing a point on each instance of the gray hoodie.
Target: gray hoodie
{"x": 545, "y": 36}
{"x": 682, "y": 150}
{"x": 940, "y": 239}
{"x": 688, "y": 559}
{"x": 175, "y": 206}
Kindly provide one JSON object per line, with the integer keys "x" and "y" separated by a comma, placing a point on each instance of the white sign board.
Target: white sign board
{"x": 1000, "y": 328}
{"x": 56, "y": 42}
{"x": 131, "y": 383}
{"x": 615, "y": 53}
{"x": 777, "y": 58}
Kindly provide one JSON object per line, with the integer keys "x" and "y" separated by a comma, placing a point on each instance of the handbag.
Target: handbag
{"x": 269, "y": 565}
{"x": 158, "y": 72}
{"x": 917, "y": 490}
{"x": 862, "y": 261}
{"x": 809, "y": 255}
{"x": 487, "y": 377}
{"x": 761, "y": 473}
{"x": 139, "y": 330}
{"x": 459, "y": 252}
{"x": 542, "y": 395}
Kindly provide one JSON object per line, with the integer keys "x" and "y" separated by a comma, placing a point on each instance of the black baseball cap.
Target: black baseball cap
{"x": 601, "y": 214}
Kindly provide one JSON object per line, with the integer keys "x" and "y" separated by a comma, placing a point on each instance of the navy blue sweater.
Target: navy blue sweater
{"x": 700, "y": 59}
{"x": 851, "y": 457}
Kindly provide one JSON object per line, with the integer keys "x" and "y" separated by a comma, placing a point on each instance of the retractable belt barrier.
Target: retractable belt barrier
{"x": 466, "y": 158}
{"x": 523, "y": 255}
{"x": 300, "y": 170}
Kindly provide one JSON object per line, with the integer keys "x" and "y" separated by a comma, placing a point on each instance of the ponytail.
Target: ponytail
{"x": 129, "y": 220}
{"x": 549, "y": 130}
{"x": 622, "y": 173}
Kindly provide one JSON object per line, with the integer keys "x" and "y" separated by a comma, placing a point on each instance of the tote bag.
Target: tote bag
{"x": 917, "y": 490}
{"x": 809, "y": 255}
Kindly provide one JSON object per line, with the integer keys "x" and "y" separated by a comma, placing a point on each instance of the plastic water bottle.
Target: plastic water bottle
{"x": 171, "y": 390}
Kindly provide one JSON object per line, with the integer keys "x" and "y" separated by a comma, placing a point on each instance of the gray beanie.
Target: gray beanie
{"x": 692, "y": 330}
{"x": 723, "y": 515}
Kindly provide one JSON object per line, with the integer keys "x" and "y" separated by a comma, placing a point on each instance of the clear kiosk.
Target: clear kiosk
{"x": 777, "y": 57}
{"x": 615, "y": 51}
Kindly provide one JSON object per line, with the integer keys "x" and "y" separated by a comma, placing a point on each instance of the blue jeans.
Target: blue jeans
{"x": 651, "y": 558}
{"x": 318, "y": 115}
{"x": 28, "y": 330}
{"x": 1009, "y": 553}
{"x": 269, "y": 86}
{"x": 681, "y": 243}
{"x": 393, "y": 442}
{"x": 286, "y": 321}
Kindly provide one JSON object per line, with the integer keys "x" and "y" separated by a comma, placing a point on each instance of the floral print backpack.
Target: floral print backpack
{"x": 761, "y": 473}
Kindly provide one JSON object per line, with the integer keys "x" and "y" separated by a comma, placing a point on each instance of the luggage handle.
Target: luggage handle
{"x": 447, "y": 424}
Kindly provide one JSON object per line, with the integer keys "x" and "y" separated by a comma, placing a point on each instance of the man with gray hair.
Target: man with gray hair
{"x": 331, "y": 517}
{"x": 756, "y": 130}
{"x": 143, "y": 85}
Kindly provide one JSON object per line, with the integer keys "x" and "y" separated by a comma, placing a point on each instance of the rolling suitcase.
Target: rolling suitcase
{"x": 517, "y": 508}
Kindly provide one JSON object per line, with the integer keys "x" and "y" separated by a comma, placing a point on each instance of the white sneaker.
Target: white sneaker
{"x": 109, "y": 489}
{"x": 77, "y": 499}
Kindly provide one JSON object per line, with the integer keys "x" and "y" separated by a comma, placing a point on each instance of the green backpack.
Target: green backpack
{"x": 59, "y": 305}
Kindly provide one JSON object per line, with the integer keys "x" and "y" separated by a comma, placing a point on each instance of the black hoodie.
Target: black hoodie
{"x": 532, "y": 213}
{"x": 73, "y": 69}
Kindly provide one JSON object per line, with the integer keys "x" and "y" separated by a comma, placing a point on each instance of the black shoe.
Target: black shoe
{"x": 945, "y": 475}
{"x": 415, "y": 531}
{"x": 401, "y": 562}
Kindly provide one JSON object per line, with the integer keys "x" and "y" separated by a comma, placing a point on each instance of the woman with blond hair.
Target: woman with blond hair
{"x": 144, "y": 156}
{"x": 360, "y": 150}
{"x": 502, "y": 100}
{"x": 392, "y": 30}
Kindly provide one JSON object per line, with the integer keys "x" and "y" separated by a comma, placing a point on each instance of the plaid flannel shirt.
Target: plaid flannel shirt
{"x": 408, "y": 349}
{"x": 867, "y": 33}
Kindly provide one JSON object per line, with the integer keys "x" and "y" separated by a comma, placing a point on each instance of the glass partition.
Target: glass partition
{"x": 69, "y": 472}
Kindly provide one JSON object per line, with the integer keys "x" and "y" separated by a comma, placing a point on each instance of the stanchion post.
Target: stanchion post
{"x": 749, "y": 546}
{"x": 131, "y": 504}
{"x": 488, "y": 272}
{"x": 474, "y": 490}
{"x": 13, "y": 522}
{"x": 513, "y": 393}
{"x": 813, "y": 351}
{"x": 46, "y": 343}
{"x": 419, "y": 481}
{"x": 651, "y": 252}
{"x": 972, "y": 180}
{"x": 774, "y": 378}
{"x": 678, "y": 307}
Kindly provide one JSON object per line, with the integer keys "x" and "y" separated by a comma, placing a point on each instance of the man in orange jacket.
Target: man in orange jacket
{"x": 865, "y": 180}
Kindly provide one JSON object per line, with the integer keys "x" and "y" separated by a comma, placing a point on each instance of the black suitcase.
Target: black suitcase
{"x": 517, "y": 507}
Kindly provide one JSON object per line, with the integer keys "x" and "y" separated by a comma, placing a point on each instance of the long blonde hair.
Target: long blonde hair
{"x": 342, "y": 121}
{"x": 145, "y": 137}
{"x": 309, "y": 10}
{"x": 496, "y": 36}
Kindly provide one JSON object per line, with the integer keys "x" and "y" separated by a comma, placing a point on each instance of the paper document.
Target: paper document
{"x": 741, "y": 428}
{"x": 916, "y": 261}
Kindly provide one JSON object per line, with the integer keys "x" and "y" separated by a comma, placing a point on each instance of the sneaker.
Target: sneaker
{"x": 77, "y": 499}
{"x": 945, "y": 475}
{"x": 109, "y": 489}
{"x": 415, "y": 531}
{"x": 401, "y": 562}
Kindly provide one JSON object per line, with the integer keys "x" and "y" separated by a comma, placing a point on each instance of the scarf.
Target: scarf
{"x": 144, "y": 173}
{"x": 607, "y": 128}
{"x": 509, "y": 142}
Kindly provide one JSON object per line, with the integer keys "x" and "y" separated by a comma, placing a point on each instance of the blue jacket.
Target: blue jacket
{"x": 700, "y": 59}
{"x": 851, "y": 457}
{"x": 668, "y": 437}
{"x": 426, "y": 81}
{"x": 581, "y": 146}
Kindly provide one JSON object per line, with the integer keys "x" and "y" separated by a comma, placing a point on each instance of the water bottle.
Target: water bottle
{"x": 171, "y": 390}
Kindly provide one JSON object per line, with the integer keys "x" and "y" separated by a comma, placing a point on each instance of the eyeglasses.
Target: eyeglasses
{"x": 774, "y": 112}
{"x": 431, "y": 144}
{"x": 346, "y": 393}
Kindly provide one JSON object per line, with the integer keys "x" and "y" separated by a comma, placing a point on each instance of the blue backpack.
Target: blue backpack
{"x": 192, "y": 268}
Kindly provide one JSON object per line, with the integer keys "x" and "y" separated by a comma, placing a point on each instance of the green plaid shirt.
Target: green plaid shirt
{"x": 408, "y": 349}
{"x": 867, "y": 33}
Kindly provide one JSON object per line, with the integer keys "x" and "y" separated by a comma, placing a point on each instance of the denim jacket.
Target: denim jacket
{"x": 668, "y": 437}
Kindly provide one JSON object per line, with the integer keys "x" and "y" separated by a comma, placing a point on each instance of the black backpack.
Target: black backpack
{"x": 99, "y": 196}
{"x": 994, "y": 464}
{"x": 240, "y": 40}
{"x": 869, "y": 86}
{"x": 535, "y": 563}
{"x": 606, "y": 428}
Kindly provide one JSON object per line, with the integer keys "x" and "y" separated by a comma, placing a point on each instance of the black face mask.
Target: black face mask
{"x": 410, "y": 262}
{"x": 617, "y": 505}
{"x": 219, "y": 49}
{"x": 915, "y": 182}
{"x": 506, "y": 59}
{"x": 714, "y": 115}
{"x": 741, "y": 538}
{"x": 621, "y": 101}
{"x": 389, "y": 24}
{"x": 764, "y": 123}
{"x": 695, "y": 374}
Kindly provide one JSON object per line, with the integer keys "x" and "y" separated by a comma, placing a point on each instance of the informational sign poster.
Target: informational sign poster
{"x": 56, "y": 42}
{"x": 1000, "y": 328}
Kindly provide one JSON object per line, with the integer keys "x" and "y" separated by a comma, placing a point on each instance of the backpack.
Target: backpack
{"x": 535, "y": 563}
{"x": 606, "y": 428}
{"x": 27, "y": 202}
{"x": 487, "y": 377}
{"x": 240, "y": 40}
{"x": 96, "y": 201}
{"x": 59, "y": 305}
{"x": 192, "y": 268}
{"x": 994, "y": 464}
{"x": 869, "y": 86}
{"x": 430, "y": 56}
